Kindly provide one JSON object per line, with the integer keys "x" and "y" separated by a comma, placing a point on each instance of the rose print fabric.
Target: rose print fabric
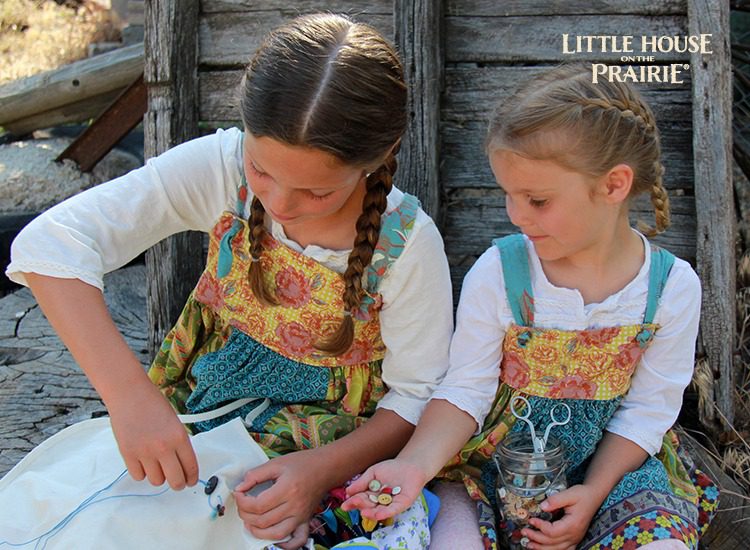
{"x": 590, "y": 371}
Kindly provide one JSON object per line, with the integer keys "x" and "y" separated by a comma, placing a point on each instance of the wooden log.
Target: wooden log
{"x": 78, "y": 111}
{"x": 42, "y": 390}
{"x": 72, "y": 83}
{"x": 418, "y": 38}
{"x": 712, "y": 146}
{"x": 170, "y": 73}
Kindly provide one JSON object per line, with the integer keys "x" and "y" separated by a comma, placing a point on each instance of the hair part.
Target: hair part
{"x": 325, "y": 82}
{"x": 590, "y": 128}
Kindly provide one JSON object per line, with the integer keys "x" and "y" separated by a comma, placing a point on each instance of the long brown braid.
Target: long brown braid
{"x": 601, "y": 125}
{"x": 378, "y": 185}
{"x": 257, "y": 228}
{"x": 325, "y": 82}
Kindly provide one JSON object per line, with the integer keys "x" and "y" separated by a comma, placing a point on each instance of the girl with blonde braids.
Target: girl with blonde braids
{"x": 326, "y": 298}
{"x": 578, "y": 308}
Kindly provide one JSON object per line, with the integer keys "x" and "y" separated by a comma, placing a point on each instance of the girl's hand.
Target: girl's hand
{"x": 580, "y": 503}
{"x": 152, "y": 441}
{"x": 299, "y": 538}
{"x": 390, "y": 473}
{"x": 281, "y": 510}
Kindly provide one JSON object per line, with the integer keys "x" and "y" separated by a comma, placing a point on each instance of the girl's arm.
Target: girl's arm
{"x": 614, "y": 457}
{"x": 151, "y": 439}
{"x": 440, "y": 434}
{"x": 63, "y": 254}
{"x": 654, "y": 400}
{"x": 103, "y": 228}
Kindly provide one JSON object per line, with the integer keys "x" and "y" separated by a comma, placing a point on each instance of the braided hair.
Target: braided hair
{"x": 601, "y": 125}
{"x": 325, "y": 82}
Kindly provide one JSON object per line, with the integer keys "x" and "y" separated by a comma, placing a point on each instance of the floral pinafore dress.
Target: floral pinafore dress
{"x": 590, "y": 370}
{"x": 226, "y": 345}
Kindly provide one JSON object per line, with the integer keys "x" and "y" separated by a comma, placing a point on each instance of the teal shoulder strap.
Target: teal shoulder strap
{"x": 661, "y": 264}
{"x": 515, "y": 261}
{"x": 224, "y": 262}
{"x": 395, "y": 229}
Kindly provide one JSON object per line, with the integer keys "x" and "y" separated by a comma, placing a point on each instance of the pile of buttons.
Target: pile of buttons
{"x": 517, "y": 507}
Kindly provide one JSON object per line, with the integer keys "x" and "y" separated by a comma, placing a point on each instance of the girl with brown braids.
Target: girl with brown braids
{"x": 325, "y": 306}
{"x": 579, "y": 308}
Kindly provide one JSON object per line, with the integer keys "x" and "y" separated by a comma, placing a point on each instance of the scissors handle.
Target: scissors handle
{"x": 536, "y": 441}
{"x": 555, "y": 421}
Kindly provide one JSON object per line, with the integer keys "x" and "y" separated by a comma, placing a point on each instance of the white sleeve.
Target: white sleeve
{"x": 416, "y": 321}
{"x": 103, "y": 228}
{"x": 654, "y": 400}
{"x": 476, "y": 348}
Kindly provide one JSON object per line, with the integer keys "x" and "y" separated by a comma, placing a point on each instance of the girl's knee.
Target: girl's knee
{"x": 456, "y": 525}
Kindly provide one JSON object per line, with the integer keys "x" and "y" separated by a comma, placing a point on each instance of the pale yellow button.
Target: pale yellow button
{"x": 385, "y": 499}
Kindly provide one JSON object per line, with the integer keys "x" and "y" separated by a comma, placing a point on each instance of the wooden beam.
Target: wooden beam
{"x": 170, "y": 72}
{"x": 78, "y": 111}
{"x": 712, "y": 150}
{"x": 108, "y": 129}
{"x": 417, "y": 30}
{"x": 69, "y": 84}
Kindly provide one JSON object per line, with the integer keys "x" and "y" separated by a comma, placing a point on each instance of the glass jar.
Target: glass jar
{"x": 524, "y": 480}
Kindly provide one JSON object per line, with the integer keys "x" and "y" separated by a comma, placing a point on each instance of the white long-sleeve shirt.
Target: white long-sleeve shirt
{"x": 188, "y": 188}
{"x": 653, "y": 402}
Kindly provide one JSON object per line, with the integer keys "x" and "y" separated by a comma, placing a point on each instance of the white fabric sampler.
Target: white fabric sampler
{"x": 62, "y": 496}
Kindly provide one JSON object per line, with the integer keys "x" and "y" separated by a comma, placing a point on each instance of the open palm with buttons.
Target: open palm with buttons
{"x": 385, "y": 489}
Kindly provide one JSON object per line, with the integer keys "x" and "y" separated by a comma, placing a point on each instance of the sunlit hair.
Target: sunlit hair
{"x": 325, "y": 82}
{"x": 589, "y": 128}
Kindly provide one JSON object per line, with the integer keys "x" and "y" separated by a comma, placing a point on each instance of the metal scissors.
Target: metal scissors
{"x": 539, "y": 442}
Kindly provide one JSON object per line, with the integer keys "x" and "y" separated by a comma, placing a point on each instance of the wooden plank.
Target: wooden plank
{"x": 291, "y": 9}
{"x": 472, "y": 92}
{"x": 218, "y": 95}
{"x": 546, "y": 8}
{"x": 72, "y": 83}
{"x": 78, "y": 111}
{"x": 108, "y": 129}
{"x": 418, "y": 39}
{"x": 230, "y": 39}
{"x": 539, "y": 39}
{"x": 712, "y": 143}
{"x": 170, "y": 72}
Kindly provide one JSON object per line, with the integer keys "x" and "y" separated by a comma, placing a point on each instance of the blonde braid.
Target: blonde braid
{"x": 378, "y": 184}
{"x": 257, "y": 229}
{"x": 635, "y": 112}
{"x": 660, "y": 200}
